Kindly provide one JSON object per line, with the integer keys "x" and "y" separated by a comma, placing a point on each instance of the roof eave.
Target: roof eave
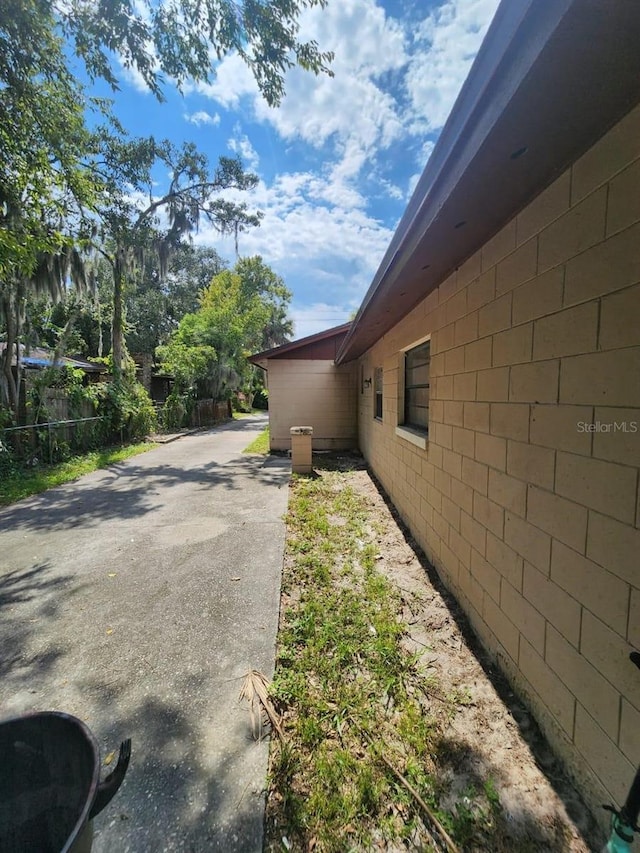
{"x": 261, "y": 358}
{"x": 550, "y": 78}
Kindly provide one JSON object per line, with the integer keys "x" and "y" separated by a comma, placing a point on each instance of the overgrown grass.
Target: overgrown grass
{"x": 23, "y": 482}
{"x": 260, "y": 444}
{"x": 349, "y": 691}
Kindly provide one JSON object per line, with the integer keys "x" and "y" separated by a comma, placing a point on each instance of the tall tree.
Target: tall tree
{"x": 259, "y": 279}
{"x": 156, "y": 307}
{"x": 207, "y": 354}
{"x": 52, "y": 273}
{"x": 46, "y": 184}
{"x": 139, "y": 228}
{"x": 44, "y": 189}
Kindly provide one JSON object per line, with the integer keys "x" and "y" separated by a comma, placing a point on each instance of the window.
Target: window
{"x": 377, "y": 380}
{"x": 416, "y": 387}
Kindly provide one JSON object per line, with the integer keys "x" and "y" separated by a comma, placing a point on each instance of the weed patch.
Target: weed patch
{"x": 356, "y": 726}
{"x": 260, "y": 444}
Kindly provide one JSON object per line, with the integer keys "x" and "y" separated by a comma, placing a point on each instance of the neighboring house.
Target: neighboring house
{"x": 499, "y": 351}
{"x": 37, "y": 358}
{"x": 306, "y": 388}
{"x": 157, "y": 384}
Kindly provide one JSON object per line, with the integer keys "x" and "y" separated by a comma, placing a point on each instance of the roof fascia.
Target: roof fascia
{"x": 298, "y": 344}
{"x": 506, "y": 56}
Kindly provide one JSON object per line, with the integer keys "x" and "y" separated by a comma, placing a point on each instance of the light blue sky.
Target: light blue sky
{"x": 339, "y": 158}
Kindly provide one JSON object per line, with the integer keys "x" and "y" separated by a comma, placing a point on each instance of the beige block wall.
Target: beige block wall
{"x": 312, "y": 393}
{"x": 531, "y": 518}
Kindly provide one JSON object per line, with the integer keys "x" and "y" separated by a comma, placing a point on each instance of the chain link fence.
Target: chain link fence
{"x": 52, "y": 441}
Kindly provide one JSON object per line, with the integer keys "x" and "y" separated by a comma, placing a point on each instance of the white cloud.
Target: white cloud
{"x": 326, "y": 247}
{"x": 202, "y": 117}
{"x": 445, "y": 44}
{"x": 394, "y": 80}
{"x": 394, "y": 85}
{"x": 240, "y": 144}
{"x": 352, "y": 108}
{"x": 233, "y": 81}
{"x": 134, "y": 78}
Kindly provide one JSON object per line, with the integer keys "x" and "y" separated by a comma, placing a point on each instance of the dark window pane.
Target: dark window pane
{"x": 377, "y": 412}
{"x": 416, "y": 386}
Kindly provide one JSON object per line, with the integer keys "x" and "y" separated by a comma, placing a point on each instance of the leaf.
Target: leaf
{"x": 109, "y": 630}
{"x": 255, "y": 690}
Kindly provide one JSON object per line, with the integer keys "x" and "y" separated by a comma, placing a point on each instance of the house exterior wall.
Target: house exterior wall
{"x": 312, "y": 393}
{"x": 531, "y": 518}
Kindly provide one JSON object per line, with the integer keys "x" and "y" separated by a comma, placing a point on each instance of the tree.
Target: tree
{"x": 156, "y": 307}
{"x": 42, "y": 133}
{"x": 44, "y": 190}
{"x": 259, "y": 279}
{"x": 183, "y": 39}
{"x": 207, "y": 354}
{"x": 50, "y": 182}
{"x": 139, "y": 228}
{"x": 50, "y": 277}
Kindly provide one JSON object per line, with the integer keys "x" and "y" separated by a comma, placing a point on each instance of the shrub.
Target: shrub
{"x": 261, "y": 399}
{"x": 8, "y": 463}
{"x": 127, "y": 411}
{"x": 175, "y": 412}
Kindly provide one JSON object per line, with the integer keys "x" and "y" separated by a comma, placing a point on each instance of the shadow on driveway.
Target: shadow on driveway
{"x": 127, "y": 491}
{"x": 30, "y": 598}
{"x": 135, "y": 599}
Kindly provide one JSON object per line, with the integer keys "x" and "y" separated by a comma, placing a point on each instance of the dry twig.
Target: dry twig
{"x": 442, "y": 832}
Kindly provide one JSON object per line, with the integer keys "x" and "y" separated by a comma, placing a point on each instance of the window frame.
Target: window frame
{"x": 378, "y": 394}
{"x": 413, "y": 433}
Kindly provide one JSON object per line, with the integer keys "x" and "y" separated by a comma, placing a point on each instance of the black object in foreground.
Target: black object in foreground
{"x": 50, "y": 785}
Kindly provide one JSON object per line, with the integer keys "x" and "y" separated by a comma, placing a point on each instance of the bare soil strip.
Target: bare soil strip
{"x": 398, "y": 734}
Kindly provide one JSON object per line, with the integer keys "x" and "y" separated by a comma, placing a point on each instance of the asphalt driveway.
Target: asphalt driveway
{"x": 136, "y": 599}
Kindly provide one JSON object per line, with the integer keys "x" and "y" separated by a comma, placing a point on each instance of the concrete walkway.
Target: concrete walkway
{"x": 136, "y": 599}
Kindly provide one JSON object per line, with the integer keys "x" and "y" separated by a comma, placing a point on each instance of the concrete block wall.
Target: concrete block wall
{"x": 526, "y": 497}
{"x": 305, "y": 392}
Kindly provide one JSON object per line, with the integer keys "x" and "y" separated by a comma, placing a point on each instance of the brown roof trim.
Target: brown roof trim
{"x": 551, "y": 77}
{"x": 283, "y": 349}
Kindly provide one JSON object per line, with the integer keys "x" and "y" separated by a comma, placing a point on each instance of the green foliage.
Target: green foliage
{"x": 8, "y": 462}
{"x": 156, "y": 306}
{"x": 58, "y": 179}
{"x": 135, "y": 235}
{"x": 54, "y": 325}
{"x": 22, "y": 482}
{"x": 179, "y": 39}
{"x": 207, "y": 353}
{"x": 127, "y": 410}
{"x": 176, "y": 410}
{"x": 258, "y": 279}
{"x": 185, "y": 359}
{"x": 44, "y": 187}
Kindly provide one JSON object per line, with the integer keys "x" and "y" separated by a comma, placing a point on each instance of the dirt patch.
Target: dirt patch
{"x": 492, "y": 734}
